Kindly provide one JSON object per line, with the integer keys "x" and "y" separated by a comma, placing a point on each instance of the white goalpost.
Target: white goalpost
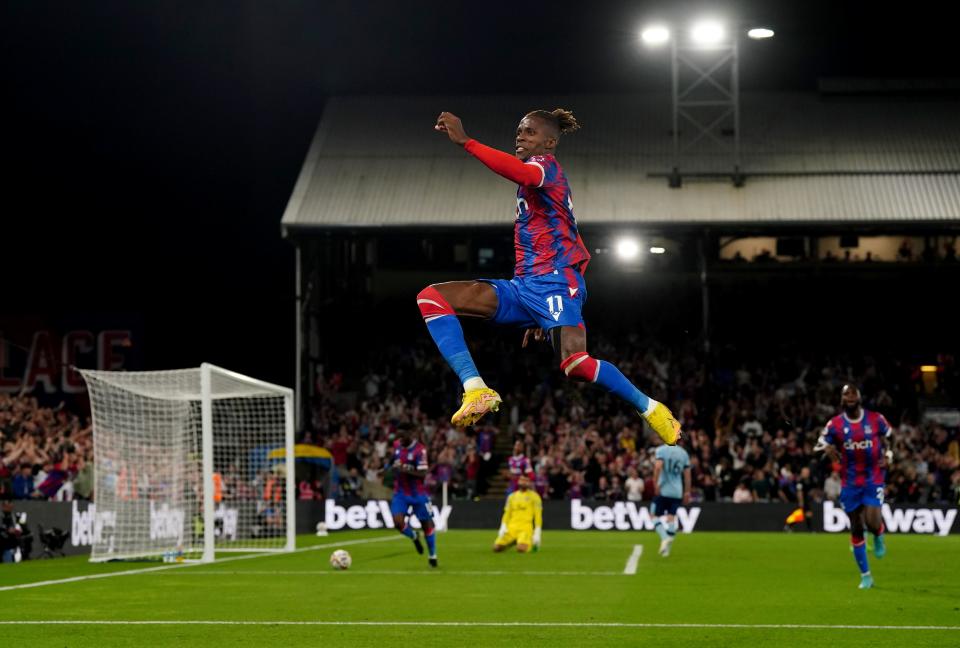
{"x": 190, "y": 462}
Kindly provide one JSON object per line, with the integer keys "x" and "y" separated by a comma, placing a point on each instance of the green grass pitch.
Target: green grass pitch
{"x": 716, "y": 589}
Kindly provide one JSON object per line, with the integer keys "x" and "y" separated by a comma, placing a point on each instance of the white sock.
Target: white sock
{"x": 650, "y": 407}
{"x": 474, "y": 383}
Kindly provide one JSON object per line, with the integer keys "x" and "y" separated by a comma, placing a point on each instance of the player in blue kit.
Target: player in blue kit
{"x": 409, "y": 492}
{"x": 547, "y": 292}
{"x": 671, "y": 478}
{"x": 855, "y": 438}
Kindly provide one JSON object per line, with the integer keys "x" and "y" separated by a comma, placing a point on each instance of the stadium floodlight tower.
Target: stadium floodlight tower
{"x": 705, "y": 90}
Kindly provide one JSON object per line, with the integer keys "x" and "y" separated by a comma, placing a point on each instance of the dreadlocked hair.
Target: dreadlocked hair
{"x": 561, "y": 119}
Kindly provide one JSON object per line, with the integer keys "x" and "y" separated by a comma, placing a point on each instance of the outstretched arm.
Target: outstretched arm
{"x": 504, "y": 164}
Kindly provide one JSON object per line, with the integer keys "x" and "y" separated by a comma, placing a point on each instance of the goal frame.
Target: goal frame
{"x": 206, "y": 397}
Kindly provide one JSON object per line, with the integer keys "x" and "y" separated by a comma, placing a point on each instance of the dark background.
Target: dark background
{"x": 151, "y": 147}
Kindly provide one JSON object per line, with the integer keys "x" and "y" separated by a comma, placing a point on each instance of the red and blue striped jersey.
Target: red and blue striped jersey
{"x": 414, "y": 455}
{"x": 860, "y": 444}
{"x": 545, "y": 234}
{"x": 518, "y": 466}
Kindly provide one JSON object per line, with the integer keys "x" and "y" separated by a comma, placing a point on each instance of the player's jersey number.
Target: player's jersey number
{"x": 555, "y": 305}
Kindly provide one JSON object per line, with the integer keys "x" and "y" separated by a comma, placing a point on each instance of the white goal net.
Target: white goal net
{"x": 190, "y": 462}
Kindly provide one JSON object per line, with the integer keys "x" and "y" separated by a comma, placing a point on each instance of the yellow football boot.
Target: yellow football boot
{"x": 476, "y": 403}
{"x": 662, "y": 421}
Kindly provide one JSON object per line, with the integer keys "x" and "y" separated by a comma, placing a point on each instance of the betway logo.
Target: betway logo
{"x": 624, "y": 516}
{"x": 87, "y": 526}
{"x": 866, "y": 444}
{"x": 375, "y": 514}
{"x": 901, "y": 520}
{"x": 166, "y": 523}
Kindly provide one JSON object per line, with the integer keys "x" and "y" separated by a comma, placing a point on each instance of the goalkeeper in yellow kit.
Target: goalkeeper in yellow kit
{"x": 522, "y": 519}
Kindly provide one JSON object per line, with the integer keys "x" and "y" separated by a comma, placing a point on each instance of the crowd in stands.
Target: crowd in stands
{"x": 750, "y": 426}
{"x": 47, "y": 452}
{"x": 944, "y": 251}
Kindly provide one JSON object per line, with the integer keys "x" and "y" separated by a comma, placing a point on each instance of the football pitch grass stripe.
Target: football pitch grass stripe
{"x": 633, "y": 561}
{"x": 493, "y": 624}
{"x": 148, "y": 570}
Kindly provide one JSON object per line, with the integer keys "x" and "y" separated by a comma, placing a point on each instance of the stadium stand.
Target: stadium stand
{"x": 751, "y": 425}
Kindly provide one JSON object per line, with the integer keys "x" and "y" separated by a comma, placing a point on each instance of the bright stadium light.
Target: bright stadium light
{"x": 627, "y": 249}
{"x": 657, "y": 250}
{"x": 758, "y": 33}
{"x": 707, "y": 33}
{"x": 655, "y": 35}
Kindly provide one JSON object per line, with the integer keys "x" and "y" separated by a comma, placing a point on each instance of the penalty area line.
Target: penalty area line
{"x": 493, "y": 624}
{"x": 631, "y": 567}
{"x": 148, "y": 570}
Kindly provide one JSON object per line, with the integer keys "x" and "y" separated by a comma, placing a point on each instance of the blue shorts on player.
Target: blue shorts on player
{"x": 402, "y": 504}
{"x": 853, "y": 497}
{"x": 541, "y": 301}
{"x": 664, "y": 505}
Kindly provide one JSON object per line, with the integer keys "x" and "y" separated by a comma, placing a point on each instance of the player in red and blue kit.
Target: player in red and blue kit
{"x": 547, "y": 292}
{"x": 855, "y": 438}
{"x": 410, "y": 468}
{"x": 518, "y": 466}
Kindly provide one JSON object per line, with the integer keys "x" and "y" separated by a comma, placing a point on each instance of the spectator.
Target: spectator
{"x": 634, "y": 486}
{"x": 23, "y": 483}
{"x": 742, "y": 494}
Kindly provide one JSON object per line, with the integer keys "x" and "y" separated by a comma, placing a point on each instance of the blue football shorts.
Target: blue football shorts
{"x": 542, "y": 301}
{"x": 401, "y": 505}
{"x": 664, "y": 505}
{"x": 853, "y": 497}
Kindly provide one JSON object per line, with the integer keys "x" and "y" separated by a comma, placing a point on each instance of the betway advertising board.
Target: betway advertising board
{"x": 579, "y": 515}
{"x": 85, "y": 524}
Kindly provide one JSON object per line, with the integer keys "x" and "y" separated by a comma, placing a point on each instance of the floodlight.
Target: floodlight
{"x": 707, "y": 33}
{"x": 657, "y": 250}
{"x": 760, "y": 32}
{"x": 655, "y": 35}
{"x": 627, "y": 249}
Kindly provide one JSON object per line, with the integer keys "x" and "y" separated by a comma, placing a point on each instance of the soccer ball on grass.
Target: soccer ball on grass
{"x": 340, "y": 559}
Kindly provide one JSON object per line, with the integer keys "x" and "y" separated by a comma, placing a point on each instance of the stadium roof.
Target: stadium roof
{"x": 376, "y": 161}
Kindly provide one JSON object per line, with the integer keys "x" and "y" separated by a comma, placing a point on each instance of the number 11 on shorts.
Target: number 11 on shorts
{"x": 555, "y": 305}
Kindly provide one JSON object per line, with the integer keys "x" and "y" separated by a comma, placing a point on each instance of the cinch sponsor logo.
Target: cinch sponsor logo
{"x": 375, "y": 514}
{"x": 866, "y": 444}
{"x": 87, "y": 526}
{"x": 901, "y": 520}
{"x": 624, "y": 516}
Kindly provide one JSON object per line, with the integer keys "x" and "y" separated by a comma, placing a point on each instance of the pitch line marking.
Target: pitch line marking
{"x": 394, "y": 572}
{"x": 147, "y": 570}
{"x": 633, "y": 560}
{"x": 496, "y": 624}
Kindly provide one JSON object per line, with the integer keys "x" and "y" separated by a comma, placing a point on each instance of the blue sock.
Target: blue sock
{"x": 672, "y": 529}
{"x": 660, "y": 529}
{"x": 611, "y": 379}
{"x": 860, "y": 555}
{"x": 448, "y": 336}
{"x": 431, "y": 537}
{"x": 408, "y": 531}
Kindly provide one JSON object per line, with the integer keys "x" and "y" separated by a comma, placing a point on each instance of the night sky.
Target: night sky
{"x": 152, "y": 146}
